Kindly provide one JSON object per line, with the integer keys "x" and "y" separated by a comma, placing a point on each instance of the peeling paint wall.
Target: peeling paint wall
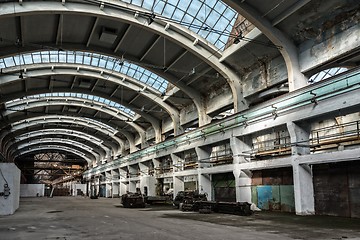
{"x": 263, "y": 75}
{"x": 273, "y": 190}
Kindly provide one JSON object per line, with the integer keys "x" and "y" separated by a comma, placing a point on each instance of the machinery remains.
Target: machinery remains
{"x": 194, "y": 201}
{"x": 133, "y": 200}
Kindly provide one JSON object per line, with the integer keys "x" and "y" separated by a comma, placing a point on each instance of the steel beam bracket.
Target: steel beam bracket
{"x": 313, "y": 100}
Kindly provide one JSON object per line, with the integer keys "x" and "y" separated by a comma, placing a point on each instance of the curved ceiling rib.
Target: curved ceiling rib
{"x": 59, "y": 137}
{"x": 79, "y": 147}
{"x": 26, "y": 104}
{"x": 122, "y": 66}
{"x": 286, "y": 46}
{"x": 35, "y": 71}
{"x": 56, "y": 147}
{"x": 202, "y": 54}
{"x": 26, "y": 121}
{"x": 99, "y": 139}
{"x": 127, "y": 68}
{"x": 70, "y": 134}
{"x": 212, "y": 20}
{"x": 85, "y": 120}
{"x": 73, "y": 96}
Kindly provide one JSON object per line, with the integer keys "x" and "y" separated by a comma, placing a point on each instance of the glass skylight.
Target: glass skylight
{"x": 211, "y": 19}
{"x": 93, "y": 98}
{"x": 326, "y": 74}
{"x": 93, "y": 59}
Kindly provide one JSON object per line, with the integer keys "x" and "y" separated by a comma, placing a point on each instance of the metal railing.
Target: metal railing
{"x": 320, "y": 139}
{"x": 333, "y": 136}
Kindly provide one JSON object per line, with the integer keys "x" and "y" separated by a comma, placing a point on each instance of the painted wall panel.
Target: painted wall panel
{"x": 337, "y": 189}
{"x": 264, "y": 194}
{"x": 254, "y": 197}
{"x": 287, "y": 198}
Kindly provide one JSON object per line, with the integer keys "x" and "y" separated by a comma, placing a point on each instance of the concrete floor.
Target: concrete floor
{"x": 84, "y": 218}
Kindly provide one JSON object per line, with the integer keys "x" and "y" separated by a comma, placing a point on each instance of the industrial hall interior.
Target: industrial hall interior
{"x": 253, "y": 104}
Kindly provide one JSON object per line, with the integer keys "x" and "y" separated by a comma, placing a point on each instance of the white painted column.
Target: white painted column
{"x": 156, "y": 164}
{"x": 178, "y": 162}
{"x": 147, "y": 181}
{"x": 10, "y": 176}
{"x": 205, "y": 185}
{"x": 203, "y": 153}
{"x": 178, "y": 182}
{"x": 178, "y": 185}
{"x": 302, "y": 174}
{"x": 123, "y": 181}
{"x": 239, "y": 147}
{"x": 108, "y": 185}
{"x": 115, "y": 183}
{"x": 204, "y": 180}
{"x": 132, "y": 184}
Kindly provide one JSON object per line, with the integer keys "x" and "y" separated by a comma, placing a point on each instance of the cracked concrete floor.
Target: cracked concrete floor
{"x": 84, "y": 218}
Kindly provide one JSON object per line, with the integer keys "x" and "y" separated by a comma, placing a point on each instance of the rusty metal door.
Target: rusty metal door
{"x": 337, "y": 189}
{"x": 224, "y": 187}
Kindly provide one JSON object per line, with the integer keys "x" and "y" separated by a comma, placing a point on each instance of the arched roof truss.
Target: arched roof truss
{"x": 56, "y": 141}
{"x": 69, "y": 122}
{"x": 191, "y": 60}
{"x": 84, "y": 140}
{"x": 101, "y": 140}
{"x": 55, "y": 147}
{"x": 36, "y": 71}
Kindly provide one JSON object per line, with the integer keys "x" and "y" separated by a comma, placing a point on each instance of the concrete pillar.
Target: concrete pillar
{"x": 303, "y": 189}
{"x": 302, "y": 174}
{"x": 108, "y": 185}
{"x": 178, "y": 185}
{"x": 114, "y": 183}
{"x": 156, "y": 164}
{"x": 299, "y": 135}
{"x": 204, "y": 180}
{"x": 178, "y": 162}
{"x": 242, "y": 184}
{"x": 122, "y": 188}
{"x": 115, "y": 190}
{"x": 108, "y": 192}
{"x": 240, "y": 148}
{"x": 203, "y": 153}
{"x": 132, "y": 170}
{"x": 9, "y": 176}
{"x": 147, "y": 182}
{"x": 205, "y": 185}
{"x": 132, "y": 186}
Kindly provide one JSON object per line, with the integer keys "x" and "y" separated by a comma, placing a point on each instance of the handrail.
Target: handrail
{"x": 330, "y": 87}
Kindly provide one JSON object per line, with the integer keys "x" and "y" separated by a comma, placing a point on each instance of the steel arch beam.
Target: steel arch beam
{"x": 70, "y": 120}
{"x": 89, "y": 153}
{"x": 64, "y": 101}
{"x": 155, "y": 122}
{"x": 176, "y": 33}
{"x": 62, "y": 148}
{"x": 100, "y": 153}
{"x": 77, "y": 119}
{"x": 97, "y": 143}
{"x": 8, "y": 136}
{"x": 39, "y": 70}
{"x": 287, "y": 48}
